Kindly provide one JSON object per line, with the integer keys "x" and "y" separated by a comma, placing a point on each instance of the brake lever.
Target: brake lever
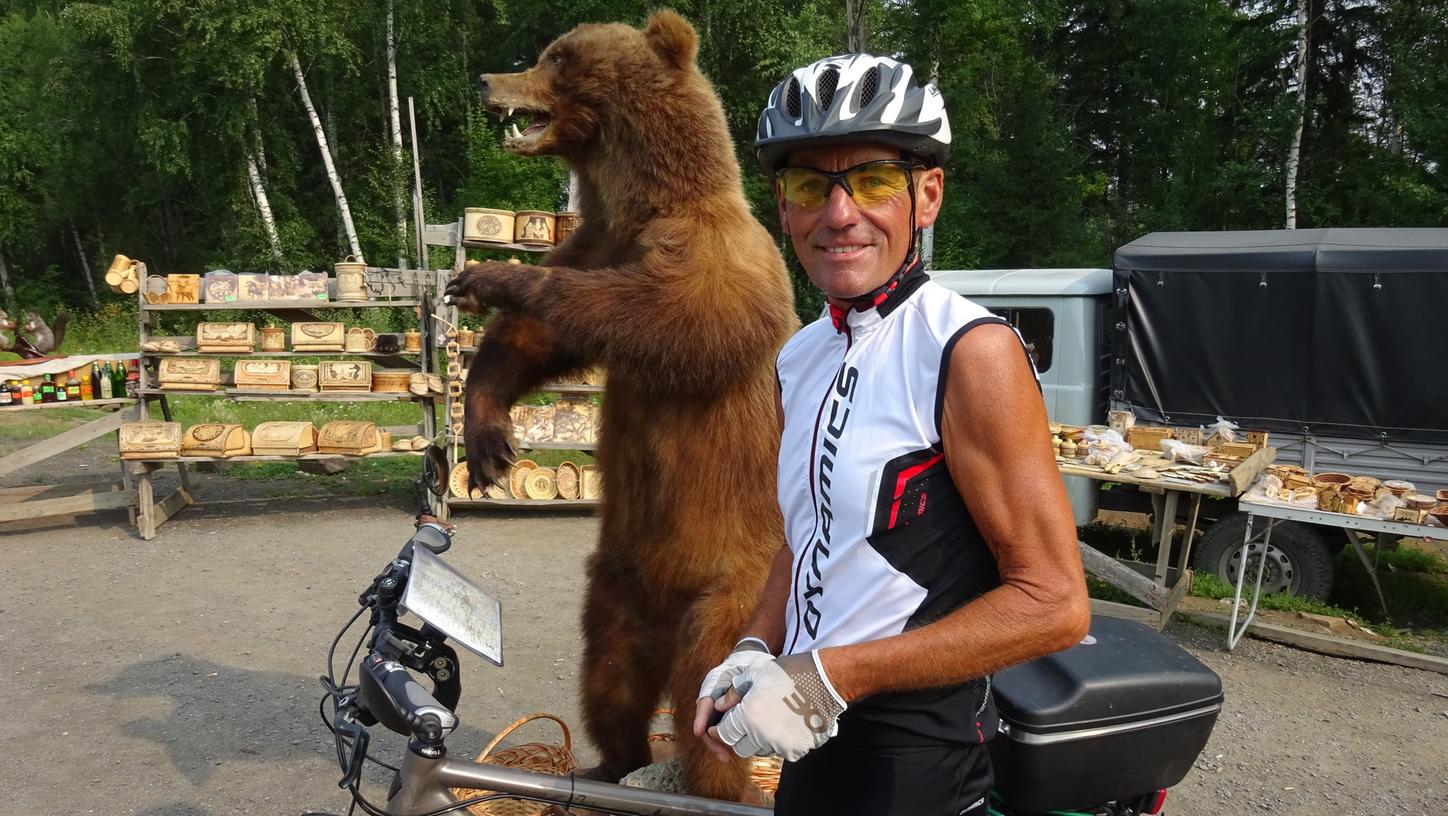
{"x": 360, "y": 738}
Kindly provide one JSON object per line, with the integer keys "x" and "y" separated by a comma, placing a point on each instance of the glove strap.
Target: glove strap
{"x": 753, "y": 644}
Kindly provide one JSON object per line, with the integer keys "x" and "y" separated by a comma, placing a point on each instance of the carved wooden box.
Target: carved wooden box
{"x": 344, "y": 375}
{"x": 252, "y": 286}
{"x": 318, "y": 336}
{"x": 189, "y": 373}
{"x": 284, "y": 439}
{"x": 225, "y": 338}
{"x": 349, "y": 437}
{"x": 219, "y": 286}
{"x": 216, "y": 439}
{"x": 263, "y": 375}
{"x": 150, "y": 440}
{"x": 183, "y": 288}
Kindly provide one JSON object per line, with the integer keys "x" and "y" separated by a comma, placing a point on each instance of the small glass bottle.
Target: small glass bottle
{"x": 27, "y": 393}
{"x": 104, "y": 378}
{"x": 72, "y": 388}
{"x": 7, "y": 394}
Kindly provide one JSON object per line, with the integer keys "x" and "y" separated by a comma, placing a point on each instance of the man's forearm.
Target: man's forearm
{"x": 767, "y": 622}
{"x": 1008, "y": 625}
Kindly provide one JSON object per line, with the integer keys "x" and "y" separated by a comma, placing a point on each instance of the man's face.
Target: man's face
{"x": 848, "y": 250}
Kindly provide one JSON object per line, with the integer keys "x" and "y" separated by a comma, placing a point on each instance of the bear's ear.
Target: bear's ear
{"x": 672, "y": 38}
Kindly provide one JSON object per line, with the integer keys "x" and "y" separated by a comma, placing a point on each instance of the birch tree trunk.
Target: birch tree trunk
{"x": 263, "y": 206}
{"x": 5, "y": 281}
{"x": 1294, "y": 152}
{"x": 395, "y": 120}
{"x": 85, "y": 267}
{"x": 857, "y": 30}
{"x": 343, "y": 211}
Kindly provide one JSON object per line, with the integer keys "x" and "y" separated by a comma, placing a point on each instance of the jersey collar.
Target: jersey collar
{"x": 883, "y": 299}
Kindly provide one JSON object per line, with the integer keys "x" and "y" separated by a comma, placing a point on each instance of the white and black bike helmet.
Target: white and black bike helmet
{"x": 852, "y": 98}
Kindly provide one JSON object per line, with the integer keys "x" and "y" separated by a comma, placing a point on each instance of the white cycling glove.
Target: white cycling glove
{"x": 747, "y": 652}
{"x": 789, "y": 708}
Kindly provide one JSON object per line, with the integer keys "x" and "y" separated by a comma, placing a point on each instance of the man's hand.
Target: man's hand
{"x": 747, "y": 652}
{"x": 786, "y": 707}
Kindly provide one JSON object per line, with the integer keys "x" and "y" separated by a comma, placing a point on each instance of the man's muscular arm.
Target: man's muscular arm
{"x": 993, "y": 430}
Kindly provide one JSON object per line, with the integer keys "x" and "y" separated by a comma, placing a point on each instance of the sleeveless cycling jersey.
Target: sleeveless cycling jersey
{"x": 882, "y": 541}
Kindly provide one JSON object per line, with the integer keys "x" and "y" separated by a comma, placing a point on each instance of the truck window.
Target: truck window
{"x": 1037, "y": 327}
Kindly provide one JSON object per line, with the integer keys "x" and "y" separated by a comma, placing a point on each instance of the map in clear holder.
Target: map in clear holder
{"x": 454, "y": 605}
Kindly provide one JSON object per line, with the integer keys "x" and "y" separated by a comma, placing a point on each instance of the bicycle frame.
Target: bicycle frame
{"x": 426, "y": 783}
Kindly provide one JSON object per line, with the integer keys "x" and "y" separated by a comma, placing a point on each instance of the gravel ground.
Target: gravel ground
{"x": 177, "y": 677}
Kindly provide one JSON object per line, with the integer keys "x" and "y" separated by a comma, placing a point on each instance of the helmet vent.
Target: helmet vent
{"x": 869, "y": 84}
{"x": 791, "y": 98}
{"x": 825, "y": 87}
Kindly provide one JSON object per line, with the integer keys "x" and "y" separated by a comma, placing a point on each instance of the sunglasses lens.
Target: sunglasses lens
{"x": 877, "y": 183}
{"x": 803, "y": 187}
{"x": 872, "y": 183}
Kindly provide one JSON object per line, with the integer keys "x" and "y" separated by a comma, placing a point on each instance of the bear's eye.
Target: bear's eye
{"x": 556, "y": 59}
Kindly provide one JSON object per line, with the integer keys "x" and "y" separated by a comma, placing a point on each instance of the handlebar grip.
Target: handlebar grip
{"x": 401, "y": 703}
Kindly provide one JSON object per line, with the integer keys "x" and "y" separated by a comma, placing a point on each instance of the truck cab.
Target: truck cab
{"x": 1061, "y": 315}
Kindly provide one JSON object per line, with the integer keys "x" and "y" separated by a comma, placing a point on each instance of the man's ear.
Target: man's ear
{"x": 672, "y": 38}
{"x": 928, "y": 196}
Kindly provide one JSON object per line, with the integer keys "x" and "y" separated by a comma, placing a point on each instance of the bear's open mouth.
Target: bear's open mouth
{"x": 534, "y": 123}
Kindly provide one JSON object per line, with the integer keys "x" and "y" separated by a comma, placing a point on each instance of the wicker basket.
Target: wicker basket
{"x": 540, "y": 757}
{"x": 763, "y": 771}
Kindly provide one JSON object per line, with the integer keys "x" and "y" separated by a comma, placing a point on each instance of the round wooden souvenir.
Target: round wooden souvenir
{"x": 566, "y": 224}
{"x": 569, "y": 480}
{"x": 351, "y": 279}
{"x": 391, "y": 381}
{"x": 483, "y": 224}
{"x": 457, "y": 482}
{"x": 304, "y": 378}
{"x": 412, "y": 341}
{"x": 521, "y": 469}
{"x": 541, "y": 484}
{"x": 533, "y": 228}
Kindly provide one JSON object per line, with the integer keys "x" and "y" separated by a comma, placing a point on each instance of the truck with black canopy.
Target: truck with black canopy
{"x": 1334, "y": 341}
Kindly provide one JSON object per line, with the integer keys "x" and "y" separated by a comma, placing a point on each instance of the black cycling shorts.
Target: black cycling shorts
{"x": 845, "y": 779}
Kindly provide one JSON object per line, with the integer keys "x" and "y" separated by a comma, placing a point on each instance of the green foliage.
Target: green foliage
{"x": 1077, "y": 126}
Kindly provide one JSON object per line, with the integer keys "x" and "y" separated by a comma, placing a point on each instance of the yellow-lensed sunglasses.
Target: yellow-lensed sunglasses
{"x": 869, "y": 184}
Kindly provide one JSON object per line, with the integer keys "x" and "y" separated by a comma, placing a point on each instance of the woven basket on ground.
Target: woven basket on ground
{"x": 763, "y": 771}
{"x": 532, "y": 756}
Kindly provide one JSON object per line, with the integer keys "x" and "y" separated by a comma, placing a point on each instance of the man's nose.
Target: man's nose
{"x": 840, "y": 209}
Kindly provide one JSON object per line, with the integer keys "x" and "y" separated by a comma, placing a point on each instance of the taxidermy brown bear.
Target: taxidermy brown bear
{"x": 673, "y": 286}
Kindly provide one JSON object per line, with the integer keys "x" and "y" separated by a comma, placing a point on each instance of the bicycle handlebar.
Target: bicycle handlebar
{"x": 401, "y": 703}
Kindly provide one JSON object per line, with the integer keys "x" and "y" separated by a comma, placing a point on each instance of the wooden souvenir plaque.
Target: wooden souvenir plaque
{"x": 150, "y": 440}
{"x": 311, "y": 286}
{"x": 281, "y": 287}
{"x": 344, "y": 375}
{"x": 189, "y": 373}
{"x": 225, "y": 338}
{"x": 318, "y": 336}
{"x": 573, "y": 421}
{"x": 216, "y": 439}
{"x": 252, "y": 286}
{"x": 592, "y": 483}
{"x": 183, "y": 288}
{"x": 537, "y": 423}
{"x": 349, "y": 437}
{"x": 284, "y": 439}
{"x": 263, "y": 375}
{"x": 219, "y": 286}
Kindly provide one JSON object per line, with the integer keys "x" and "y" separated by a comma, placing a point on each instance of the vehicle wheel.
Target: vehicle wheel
{"x": 1298, "y": 560}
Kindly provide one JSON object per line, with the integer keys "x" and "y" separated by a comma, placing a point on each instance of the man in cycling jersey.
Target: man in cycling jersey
{"x": 929, "y": 538}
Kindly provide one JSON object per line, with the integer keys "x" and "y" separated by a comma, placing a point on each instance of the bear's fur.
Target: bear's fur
{"x": 673, "y": 286}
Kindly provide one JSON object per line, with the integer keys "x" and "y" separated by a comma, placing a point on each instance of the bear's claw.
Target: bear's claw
{"x": 490, "y": 453}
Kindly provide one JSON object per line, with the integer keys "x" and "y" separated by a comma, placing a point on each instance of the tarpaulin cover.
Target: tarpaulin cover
{"x": 1337, "y": 331}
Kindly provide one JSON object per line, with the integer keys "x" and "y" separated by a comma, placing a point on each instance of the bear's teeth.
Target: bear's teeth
{"x": 510, "y": 112}
{"x": 516, "y": 134}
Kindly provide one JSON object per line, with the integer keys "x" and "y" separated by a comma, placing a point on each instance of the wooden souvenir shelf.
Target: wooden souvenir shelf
{"x": 418, "y": 289}
{"x": 507, "y": 247}
{"x": 291, "y": 396}
{"x": 270, "y": 305}
{"x": 589, "y": 447}
{"x": 329, "y": 355}
{"x": 275, "y": 458}
{"x": 69, "y": 404}
{"x": 523, "y": 504}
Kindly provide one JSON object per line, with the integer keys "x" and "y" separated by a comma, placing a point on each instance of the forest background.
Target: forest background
{"x": 165, "y": 129}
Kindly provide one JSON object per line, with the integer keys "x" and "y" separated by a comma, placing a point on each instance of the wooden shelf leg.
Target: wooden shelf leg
{"x": 145, "y": 504}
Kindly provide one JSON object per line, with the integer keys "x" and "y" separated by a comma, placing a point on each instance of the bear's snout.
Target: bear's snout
{"x": 487, "y": 85}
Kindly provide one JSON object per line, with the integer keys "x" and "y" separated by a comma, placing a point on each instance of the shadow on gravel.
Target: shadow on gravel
{"x": 175, "y": 809}
{"x": 223, "y": 714}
